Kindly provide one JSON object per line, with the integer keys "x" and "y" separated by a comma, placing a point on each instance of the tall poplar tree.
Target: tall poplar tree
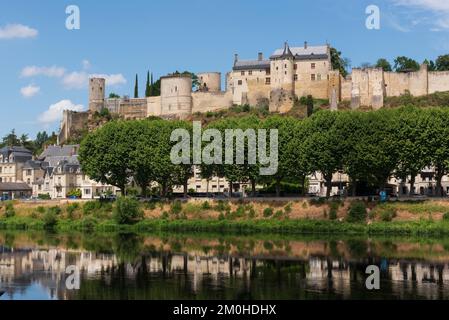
{"x": 147, "y": 87}
{"x": 136, "y": 88}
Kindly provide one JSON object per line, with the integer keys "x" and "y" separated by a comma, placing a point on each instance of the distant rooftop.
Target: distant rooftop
{"x": 59, "y": 151}
{"x": 305, "y": 52}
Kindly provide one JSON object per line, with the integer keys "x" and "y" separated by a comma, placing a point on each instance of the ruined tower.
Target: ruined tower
{"x": 97, "y": 87}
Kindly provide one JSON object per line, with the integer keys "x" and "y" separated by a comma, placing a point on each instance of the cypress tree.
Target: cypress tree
{"x": 136, "y": 88}
{"x": 151, "y": 85}
{"x": 147, "y": 87}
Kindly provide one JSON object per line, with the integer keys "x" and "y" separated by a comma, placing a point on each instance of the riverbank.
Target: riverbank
{"x": 424, "y": 218}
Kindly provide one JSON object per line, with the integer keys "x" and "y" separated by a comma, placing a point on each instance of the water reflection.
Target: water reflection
{"x": 129, "y": 266}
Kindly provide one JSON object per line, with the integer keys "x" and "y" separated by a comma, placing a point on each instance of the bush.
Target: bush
{"x": 50, "y": 219}
{"x": 164, "y": 215}
{"x": 221, "y": 216}
{"x": 205, "y": 205}
{"x": 334, "y": 210}
{"x": 127, "y": 211}
{"x": 288, "y": 208}
{"x": 388, "y": 214}
{"x": 40, "y": 209}
{"x": 56, "y": 210}
{"x": 222, "y": 206}
{"x": 318, "y": 202}
{"x": 44, "y": 196}
{"x": 446, "y": 216}
{"x": 278, "y": 214}
{"x": 176, "y": 207}
{"x": 71, "y": 208}
{"x": 9, "y": 210}
{"x": 91, "y": 206}
{"x": 74, "y": 193}
{"x": 252, "y": 213}
{"x": 357, "y": 212}
{"x": 268, "y": 212}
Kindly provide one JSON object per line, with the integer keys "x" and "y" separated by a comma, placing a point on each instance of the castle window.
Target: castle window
{"x": 295, "y": 77}
{"x": 240, "y": 82}
{"x": 313, "y": 65}
{"x": 268, "y": 81}
{"x": 285, "y": 72}
{"x": 267, "y": 72}
{"x": 318, "y": 77}
{"x": 285, "y": 66}
{"x": 277, "y": 68}
{"x": 295, "y": 66}
{"x": 250, "y": 72}
{"x": 243, "y": 73}
{"x": 313, "y": 77}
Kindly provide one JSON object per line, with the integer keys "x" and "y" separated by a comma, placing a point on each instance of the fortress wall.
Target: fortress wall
{"x": 396, "y": 84}
{"x": 334, "y": 83}
{"x": 360, "y": 86}
{"x": 71, "y": 123}
{"x": 133, "y": 108}
{"x": 318, "y": 88}
{"x": 438, "y": 81}
{"x": 346, "y": 87}
{"x": 418, "y": 82}
{"x": 259, "y": 93}
{"x": 210, "y": 101}
{"x": 154, "y": 107}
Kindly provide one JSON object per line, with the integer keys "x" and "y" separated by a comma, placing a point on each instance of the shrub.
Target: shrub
{"x": 127, "y": 210}
{"x": 357, "y": 212}
{"x": 150, "y": 205}
{"x": 205, "y": 205}
{"x": 333, "y": 214}
{"x": 268, "y": 212}
{"x": 176, "y": 207}
{"x": 221, "y": 216}
{"x": 44, "y": 196}
{"x": 446, "y": 216}
{"x": 288, "y": 208}
{"x": 91, "y": 206}
{"x": 56, "y": 210}
{"x": 388, "y": 214}
{"x": 252, "y": 213}
{"x": 164, "y": 215}
{"x": 71, "y": 208}
{"x": 40, "y": 209}
{"x": 50, "y": 219}
{"x": 9, "y": 210}
{"x": 192, "y": 209}
{"x": 318, "y": 202}
{"x": 278, "y": 214}
{"x": 222, "y": 206}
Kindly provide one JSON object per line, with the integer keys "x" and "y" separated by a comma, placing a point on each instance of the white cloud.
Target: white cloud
{"x": 30, "y": 91}
{"x": 79, "y": 80}
{"x": 52, "y": 72}
{"x": 54, "y": 112}
{"x": 438, "y": 8}
{"x": 14, "y": 31}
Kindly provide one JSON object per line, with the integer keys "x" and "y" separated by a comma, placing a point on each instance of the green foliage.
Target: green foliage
{"x": 222, "y": 206}
{"x": 113, "y": 95}
{"x": 403, "y": 63}
{"x": 357, "y": 212}
{"x": 54, "y": 210}
{"x": 127, "y": 211}
{"x": 267, "y": 212}
{"x": 442, "y": 63}
{"x": 446, "y": 216}
{"x": 71, "y": 208}
{"x": 288, "y": 208}
{"x": 176, "y": 207}
{"x": 50, "y": 218}
{"x": 74, "y": 193}
{"x": 278, "y": 214}
{"x": 339, "y": 63}
{"x": 40, "y": 209}
{"x": 388, "y": 214}
{"x": 384, "y": 64}
{"x": 9, "y": 210}
{"x": 44, "y": 196}
{"x": 206, "y": 206}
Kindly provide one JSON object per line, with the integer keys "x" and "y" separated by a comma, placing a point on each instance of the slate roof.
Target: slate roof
{"x": 251, "y": 64}
{"x": 59, "y": 151}
{"x": 302, "y": 53}
{"x": 14, "y": 186}
{"x": 33, "y": 164}
{"x": 20, "y": 154}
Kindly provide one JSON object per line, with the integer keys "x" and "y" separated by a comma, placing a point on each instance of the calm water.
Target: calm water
{"x": 33, "y": 265}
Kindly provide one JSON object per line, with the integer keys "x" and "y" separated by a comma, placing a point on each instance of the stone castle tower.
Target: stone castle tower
{"x": 176, "y": 95}
{"x": 282, "y": 81}
{"x": 97, "y": 87}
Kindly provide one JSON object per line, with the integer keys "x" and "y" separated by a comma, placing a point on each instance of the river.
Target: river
{"x": 36, "y": 265}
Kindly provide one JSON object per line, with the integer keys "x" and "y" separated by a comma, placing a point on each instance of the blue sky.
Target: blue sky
{"x": 43, "y": 66}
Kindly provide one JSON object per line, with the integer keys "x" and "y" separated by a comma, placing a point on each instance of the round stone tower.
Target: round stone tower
{"x": 176, "y": 95}
{"x": 97, "y": 88}
{"x": 210, "y": 81}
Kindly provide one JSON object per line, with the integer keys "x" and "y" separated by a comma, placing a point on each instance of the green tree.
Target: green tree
{"x": 113, "y": 95}
{"x": 339, "y": 63}
{"x": 11, "y": 139}
{"x": 148, "y": 86}
{"x": 402, "y": 64}
{"x": 105, "y": 154}
{"x": 136, "y": 87}
{"x": 430, "y": 65}
{"x": 442, "y": 63}
{"x": 384, "y": 64}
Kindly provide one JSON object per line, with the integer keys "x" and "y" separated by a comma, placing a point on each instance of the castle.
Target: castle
{"x": 288, "y": 74}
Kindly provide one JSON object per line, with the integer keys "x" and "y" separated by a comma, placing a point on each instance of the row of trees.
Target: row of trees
{"x": 403, "y": 63}
{"x": 369, "y": 146}
{"x": 36, "y": 146}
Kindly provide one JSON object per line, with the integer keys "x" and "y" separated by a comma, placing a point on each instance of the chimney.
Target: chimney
{"x": 305, "y": 44}
{"x": 260, "y": 56}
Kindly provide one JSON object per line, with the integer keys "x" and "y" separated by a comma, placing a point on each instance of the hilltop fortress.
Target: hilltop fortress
{"x": 289, "y": 73}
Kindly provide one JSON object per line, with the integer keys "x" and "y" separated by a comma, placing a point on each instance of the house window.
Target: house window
{"x": 318, "y": 76}
{"x": 295, "y": 77}
{"x": 312, "y": 77}
{"x": 268, "y": 81}
{"x": 313, "y": 65}
{"x": 240, "y": 82}
{"x": 243, "y": 73}
{"x": 28, "y": 172}
{"x": 28, "y": 181}
{"x": 250, "y": 72}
